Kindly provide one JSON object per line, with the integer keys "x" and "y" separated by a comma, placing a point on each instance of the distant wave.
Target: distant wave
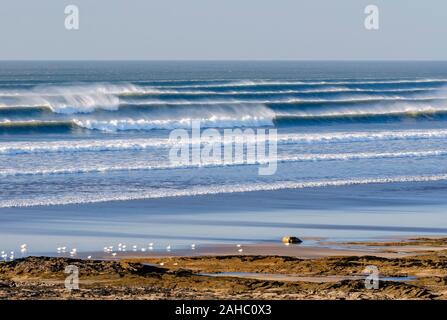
{"x": 154, "y": 91}
{"x": 217, "y": 121}
{"x": 251, "y": 83}
{"x": 132, "y": 90}
{"x": 211, "y": 189}
{"x": 69, "y": 99}
{"x": 336, "y": 106}
{"x": 138, "y": 144}
{"x": 87, "y": 98}
{"x": 130, "y": 124}
{"x": 286, "y": 100}
{"x": 93, "y": 105}
{"x": 31, "y": 126}
{"x": 280, "y": 159}
{"x": 144, "y": 124}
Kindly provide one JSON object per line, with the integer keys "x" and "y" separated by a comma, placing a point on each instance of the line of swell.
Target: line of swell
{"x": 301, "y": 158}
{"x": 161, "y": 92}
{"x": 213, "y": 189}
{"x": 132, "y": 124}
{"x": 251, "y": 83}
{"x": 69, "y": 146}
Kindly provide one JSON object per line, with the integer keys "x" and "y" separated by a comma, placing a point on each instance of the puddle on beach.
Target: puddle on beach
{"x": 289, "y": 277}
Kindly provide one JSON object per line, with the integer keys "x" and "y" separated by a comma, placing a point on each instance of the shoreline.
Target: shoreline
{"x": 409, "y": 269}
{"x": 350, "y": 213}
{"x": 310, "y": 248}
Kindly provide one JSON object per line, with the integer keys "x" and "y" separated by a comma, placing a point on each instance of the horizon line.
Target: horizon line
{"x": 222, "y": 60}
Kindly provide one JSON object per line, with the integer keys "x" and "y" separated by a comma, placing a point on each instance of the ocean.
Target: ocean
{"x": 84, "y": 151}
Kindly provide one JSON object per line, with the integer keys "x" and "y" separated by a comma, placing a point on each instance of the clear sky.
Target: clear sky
{"x": 223, "y": 30}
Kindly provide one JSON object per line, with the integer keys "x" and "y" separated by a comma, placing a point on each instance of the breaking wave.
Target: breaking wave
{"x": 211, "y": 189}
{"x": 281, "y": 159}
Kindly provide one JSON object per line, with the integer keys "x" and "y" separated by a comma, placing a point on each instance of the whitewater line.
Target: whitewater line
{"x": 212, "y": 190}
{"x": 287, "y": 159}
{"x": 141, "y": 144}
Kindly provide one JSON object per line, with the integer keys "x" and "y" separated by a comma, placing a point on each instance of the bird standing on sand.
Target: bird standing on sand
{"x": 193, "y": 246}
{"x": 168, "y": 248}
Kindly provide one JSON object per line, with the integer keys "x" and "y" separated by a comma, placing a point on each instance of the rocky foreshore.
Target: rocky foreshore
{"x": 424, "y": 276}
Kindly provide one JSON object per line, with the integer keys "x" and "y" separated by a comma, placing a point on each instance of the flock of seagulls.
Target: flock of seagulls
{"x": 5, "y": 256}
{"x": 61, "y": 249}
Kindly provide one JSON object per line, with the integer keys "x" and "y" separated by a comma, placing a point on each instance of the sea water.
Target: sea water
{"x": 84, "y": 149}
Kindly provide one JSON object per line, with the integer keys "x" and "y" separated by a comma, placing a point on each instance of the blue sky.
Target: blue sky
{"x": 224, "y": 30}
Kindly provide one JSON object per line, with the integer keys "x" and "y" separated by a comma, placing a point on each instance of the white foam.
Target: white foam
{"x": 280, "y": 159}
{"x": 82, "y": 98}
{"x": 398, "y": 108}
{"x": 251, "y": 83}
{"x": 211, "y": 189}
{"x": 86, "y": 98}
{"x": 19, "y": 147}
{"x": 145, "y": 124}
{"x": 285, "y": 100}
{"x": 272, "y": 92}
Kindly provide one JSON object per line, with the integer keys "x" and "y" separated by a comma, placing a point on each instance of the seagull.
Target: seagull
{"x": 89, "y": 257}
{"x": 63, "y": 249}
{"x": 114, "y": 254}
{"x": 162, "y": 263}
{"x": 193, "y": 246}
{"x": 168, "y": 248}
{"x": 151, "y": 244}
{"x": 73, "y": 252}
{"x": 238, "y": 245}
{"x": 240, "y": 250}
{"x": 143, "y": 249}
{"x": 134, "y": 248}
